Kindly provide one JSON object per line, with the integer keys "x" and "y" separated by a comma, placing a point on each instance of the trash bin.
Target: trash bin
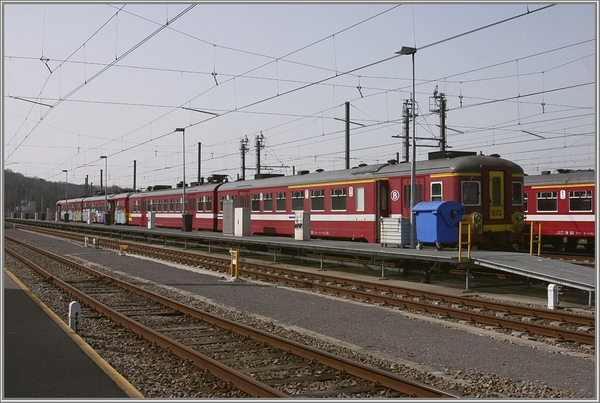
{"x": 66, "y": 217}
{"x": 187, "y": 222}
{"x": 437, "y": 222}
{"x": 106, "y": 218}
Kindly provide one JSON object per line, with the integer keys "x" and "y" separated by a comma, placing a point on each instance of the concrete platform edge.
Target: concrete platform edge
{"x": 128, "y": 388}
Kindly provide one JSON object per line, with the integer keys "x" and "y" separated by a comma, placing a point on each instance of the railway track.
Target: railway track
{"x": 256, "y": 362}
{"x": 554, "y": 325}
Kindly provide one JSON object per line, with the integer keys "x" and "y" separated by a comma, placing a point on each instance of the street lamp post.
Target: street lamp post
{"x": 66, "y": 198}
{"x": 186, "y": 226}
{"x": 406, "y": 50}
{"x": 42, "y": 215}
{"x": 106, "y": 216}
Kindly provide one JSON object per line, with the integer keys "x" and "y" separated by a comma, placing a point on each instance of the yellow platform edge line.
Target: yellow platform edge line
{"x": 123, "y": 383}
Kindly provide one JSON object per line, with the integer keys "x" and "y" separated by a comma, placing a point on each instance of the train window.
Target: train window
{"x": 268, "y": 202}
{"x": 384, "y": 197}
{"x": 420, "y": 195}
{"x": 317, "y": 200}
{"x": 221, "y": 198}
{"x": 143, "y": 205}
{"x": 338, "y": 199}
{"x": 360, "y": 199}
{"x": 256, "y": 202}
{"x": 580, "y": 200}
{"x": 525, "y": 202}
{"x": 406, "y": 196}
{"x": 171, "y": 205}
{"x": 517, "y": 193}
{"x": 436, "y": 191}
{"x": 280, "y": 203}
{"x": 200, "y": 204}
{"x": 208, "y": 203}
{"x": 471, "y": 193}
{"x": 165, "y": 205}
{"x": 547, "y": 201}
{"x": 297, "y": 201}
{"x": 178, "y": 204}
{"x": 496, "y": 196}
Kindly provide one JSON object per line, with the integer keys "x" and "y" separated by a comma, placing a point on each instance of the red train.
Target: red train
{"x": 344, "y": 204}
{"x": 564, "y": 204}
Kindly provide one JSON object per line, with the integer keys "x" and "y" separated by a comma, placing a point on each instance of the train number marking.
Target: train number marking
{"x": 395, "y": 195}
{"x": 497, "y": 213}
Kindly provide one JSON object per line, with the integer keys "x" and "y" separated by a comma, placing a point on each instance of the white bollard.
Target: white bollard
{"x": 553, "y": 296}
{"x": 74, "y": 315}
{"x": 86, "y": 241}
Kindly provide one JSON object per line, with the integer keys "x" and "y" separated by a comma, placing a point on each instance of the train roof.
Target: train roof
{"x": 207, "y": 187}
{"x": 562, "y": 178}
{"x": 460, "y": 164}
{"x": 457, "y": 165}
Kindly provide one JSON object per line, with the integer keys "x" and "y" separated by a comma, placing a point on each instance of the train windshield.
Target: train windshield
{"x": 517, "y": 193}
{"x": 471, "y": 193}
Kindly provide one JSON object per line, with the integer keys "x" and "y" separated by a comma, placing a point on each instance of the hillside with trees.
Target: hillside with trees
{"x": 28, "y": 195}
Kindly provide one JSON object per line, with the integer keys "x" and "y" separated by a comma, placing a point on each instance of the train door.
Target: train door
{"x": 111, "y": 212}
{"x": 494, "y": 197}
{"x": 382, "y": 204}
{"x": 143, "y": 217}
{"x": 406, "y": 194}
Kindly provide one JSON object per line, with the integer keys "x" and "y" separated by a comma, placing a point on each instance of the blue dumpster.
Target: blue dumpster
{"x": 438, "y": 222}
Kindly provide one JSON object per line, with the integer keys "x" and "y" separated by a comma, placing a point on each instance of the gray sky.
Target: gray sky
{"x": 91, "y": 79}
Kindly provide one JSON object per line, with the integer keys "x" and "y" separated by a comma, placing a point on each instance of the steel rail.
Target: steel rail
{"x": 377, "y": 376}
{"x": 530, "y": 327}
{"x": 507, "y": 323}
{"x": 250, "y": 269}
{"x": 240, "y": 380}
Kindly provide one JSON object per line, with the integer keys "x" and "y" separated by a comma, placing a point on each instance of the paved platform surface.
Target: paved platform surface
{"x": 41, "y": 359}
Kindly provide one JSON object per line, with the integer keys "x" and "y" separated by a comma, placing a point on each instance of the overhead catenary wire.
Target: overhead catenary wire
{"x": 237, "y": 109}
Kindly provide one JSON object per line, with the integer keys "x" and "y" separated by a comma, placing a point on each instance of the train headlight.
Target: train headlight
{"x": 517, "y": 221}
{"x": 476, "y": 221}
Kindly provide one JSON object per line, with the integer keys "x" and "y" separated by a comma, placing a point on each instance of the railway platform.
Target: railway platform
{"x": 548, "y": 270}
{"x": 44, "y": 358}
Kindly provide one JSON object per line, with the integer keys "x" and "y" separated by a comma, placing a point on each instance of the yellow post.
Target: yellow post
{"x": 235, "y": 271}
{"x": 461, "y": 243}
{"x": 531, "y": 237}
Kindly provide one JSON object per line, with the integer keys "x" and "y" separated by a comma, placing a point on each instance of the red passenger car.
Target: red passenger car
{"x": 563, "y": 203}
{"x": 164, "y": 208}
{"x": 348, "y": 204}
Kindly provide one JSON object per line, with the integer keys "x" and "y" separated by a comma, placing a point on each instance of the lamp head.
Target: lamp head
{"x": 406, "y": 50}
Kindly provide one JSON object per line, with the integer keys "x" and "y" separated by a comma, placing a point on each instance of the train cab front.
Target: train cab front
{"x": 496, "y": 213}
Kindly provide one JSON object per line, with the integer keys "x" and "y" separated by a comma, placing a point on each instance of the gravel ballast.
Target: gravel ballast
{"x": 482, "y": 360}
